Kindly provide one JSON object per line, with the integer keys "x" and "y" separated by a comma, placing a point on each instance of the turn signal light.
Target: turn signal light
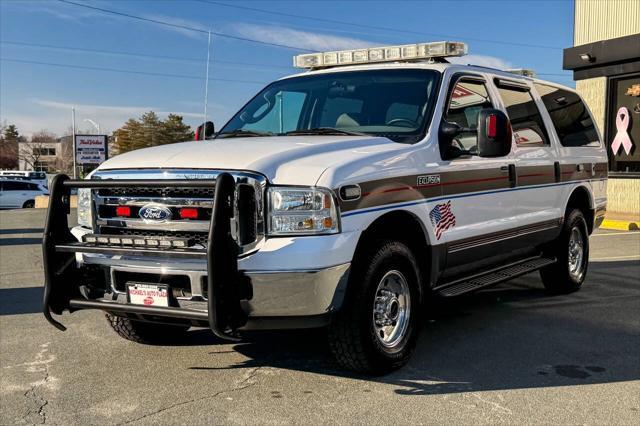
{"x": 492, "y": 123}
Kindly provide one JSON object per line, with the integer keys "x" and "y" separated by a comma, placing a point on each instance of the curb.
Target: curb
{"x": 620, "y": 225}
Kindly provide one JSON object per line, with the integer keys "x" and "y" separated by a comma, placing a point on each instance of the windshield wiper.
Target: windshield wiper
{"x": 242, "y": 133}
{"x": 323, "y": 131}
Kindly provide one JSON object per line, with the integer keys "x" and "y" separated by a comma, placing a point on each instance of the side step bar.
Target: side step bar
{"x": 493, "y": 276}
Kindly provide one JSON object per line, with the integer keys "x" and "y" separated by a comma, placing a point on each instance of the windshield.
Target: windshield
{"x": 396, "y": 104}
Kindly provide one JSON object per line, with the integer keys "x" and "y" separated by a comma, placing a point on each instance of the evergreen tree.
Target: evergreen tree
{"x": 149, "y": 130}
{"x": 9, "y": 147}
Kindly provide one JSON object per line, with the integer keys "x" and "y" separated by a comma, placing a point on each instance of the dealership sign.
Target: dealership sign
{"x": 91, "y": 149}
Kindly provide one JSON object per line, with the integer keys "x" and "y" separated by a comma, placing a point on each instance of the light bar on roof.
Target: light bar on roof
{"x": 523, "y": 72}
{"x": 402, "y": 53}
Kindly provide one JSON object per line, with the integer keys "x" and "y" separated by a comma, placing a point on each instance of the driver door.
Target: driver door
{"x": 476, "y": 189}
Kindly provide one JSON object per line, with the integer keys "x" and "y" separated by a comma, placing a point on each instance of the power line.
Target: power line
{"x": 134, "y": 54}
{"x": 180, "y": 26}
{"x": 155, "y": 74}
{"x": 333, "y": 21}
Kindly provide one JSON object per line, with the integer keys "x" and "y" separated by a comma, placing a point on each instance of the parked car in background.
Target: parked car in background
{"x": 37, "y": 177}
{"x": 19, "y": 193}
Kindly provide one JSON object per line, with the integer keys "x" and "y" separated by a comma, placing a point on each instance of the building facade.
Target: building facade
{"x": 605, "y": 61}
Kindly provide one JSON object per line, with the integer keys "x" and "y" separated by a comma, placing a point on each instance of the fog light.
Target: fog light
{"x": 165, "y": 243}
{"x": 153, "y": 243}
{"x": 139, "y": 242}
{"x": 114, "y": 240}
{"x": 127, "y": 241}
{"x": 90, "y": 239}
{"x": 103, "y": 240}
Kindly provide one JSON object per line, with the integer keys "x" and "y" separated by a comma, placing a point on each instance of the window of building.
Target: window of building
{"x": 44, "y": 151}
{"x": 624, "y": 92}
{"x": 569, "y": 115}
{"x": 526, "y": 121}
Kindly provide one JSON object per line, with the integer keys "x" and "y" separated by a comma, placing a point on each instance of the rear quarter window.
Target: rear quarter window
{"x": 570, "y": 117}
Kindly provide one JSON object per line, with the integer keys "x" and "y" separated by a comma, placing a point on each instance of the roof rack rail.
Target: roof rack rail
{"x": 522, "y": 71}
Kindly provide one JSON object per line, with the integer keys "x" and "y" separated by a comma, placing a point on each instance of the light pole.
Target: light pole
{"x": 93, "y": 123}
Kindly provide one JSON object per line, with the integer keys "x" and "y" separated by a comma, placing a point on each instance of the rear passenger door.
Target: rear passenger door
{"x": 536, "y": 160}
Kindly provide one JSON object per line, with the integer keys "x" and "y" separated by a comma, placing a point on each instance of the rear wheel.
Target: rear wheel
{"x": 29, "y": 204}
{"x": 376, "y": 330}
{"x": 146, "y": 332}
{"x": 571, "y": 249}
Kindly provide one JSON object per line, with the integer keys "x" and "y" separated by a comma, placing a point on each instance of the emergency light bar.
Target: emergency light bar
{"x": 522, "y": 71}
{"x": 406, "y": 52}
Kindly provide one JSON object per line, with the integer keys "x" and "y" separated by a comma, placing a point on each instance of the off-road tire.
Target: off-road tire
{"x": 352, "y": 337}
{"x": 147, "y": 333}
{"x": 29, "y": 204}
{"x": 557, "y": 278}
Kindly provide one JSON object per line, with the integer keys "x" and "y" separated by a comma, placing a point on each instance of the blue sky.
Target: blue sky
{"x": 501, "y": 33}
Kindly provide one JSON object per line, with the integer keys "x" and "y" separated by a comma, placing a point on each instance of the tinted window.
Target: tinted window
{"x": 569, "y": 115}
{"x": 15, "y": 186}
{"x": 466, "y": 100}
{"x": 392, "y": 103}
{"x": 528, "y": 127}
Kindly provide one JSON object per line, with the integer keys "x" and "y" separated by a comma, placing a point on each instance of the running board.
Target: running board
{"x": 493, "y": 276}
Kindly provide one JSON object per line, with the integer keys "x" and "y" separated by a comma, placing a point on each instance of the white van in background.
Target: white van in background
{"x": 19, "y": 193}
{"x": 36, "y": 177}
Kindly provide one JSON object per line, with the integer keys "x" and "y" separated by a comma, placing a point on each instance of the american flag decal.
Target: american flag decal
{"x": 442, "y": 218}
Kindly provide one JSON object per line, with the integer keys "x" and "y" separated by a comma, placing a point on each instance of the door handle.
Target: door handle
{"x": 557, "y": 171}
{"x": 513, "y": 175}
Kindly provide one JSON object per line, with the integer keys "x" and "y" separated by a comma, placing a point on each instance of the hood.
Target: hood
{"x": 282, "y": 159}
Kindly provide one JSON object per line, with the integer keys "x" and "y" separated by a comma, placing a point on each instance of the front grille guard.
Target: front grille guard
{"x": 226, "y": 285}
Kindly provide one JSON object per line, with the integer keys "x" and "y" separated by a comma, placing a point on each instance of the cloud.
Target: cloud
{"x": 303, "y": 39}
{"x": 483, "y": 61}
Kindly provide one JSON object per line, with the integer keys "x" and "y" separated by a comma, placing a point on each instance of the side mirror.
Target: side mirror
{"x": 204, "y": 131}
{"x": 494, "y": 133}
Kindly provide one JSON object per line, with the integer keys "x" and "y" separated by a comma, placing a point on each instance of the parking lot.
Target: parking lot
{"x": 512, "y": 354}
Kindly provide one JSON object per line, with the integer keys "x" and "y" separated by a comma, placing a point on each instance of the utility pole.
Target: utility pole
{"x": 206, "y": 89}
{"x": 73, "y": 126}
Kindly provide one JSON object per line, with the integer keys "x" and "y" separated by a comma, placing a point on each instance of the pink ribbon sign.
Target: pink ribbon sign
{"x": 622, "y": 137}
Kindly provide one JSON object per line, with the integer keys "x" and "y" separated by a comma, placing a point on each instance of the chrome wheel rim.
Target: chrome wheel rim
{"x": 576, "y": 253}
{"x": 391, "y": 309}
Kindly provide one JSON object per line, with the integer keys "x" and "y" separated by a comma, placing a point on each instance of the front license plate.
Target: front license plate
{"x": 148, "y": 294}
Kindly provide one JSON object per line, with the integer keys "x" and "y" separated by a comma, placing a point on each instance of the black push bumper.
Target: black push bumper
{"x": 226, "y": 285}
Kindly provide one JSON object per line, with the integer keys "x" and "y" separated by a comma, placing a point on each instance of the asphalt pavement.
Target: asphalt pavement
{"x": 512, "y": 354}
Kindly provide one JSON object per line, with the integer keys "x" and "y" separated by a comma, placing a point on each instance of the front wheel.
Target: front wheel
{"x": 29, "y": 204}
{"x": 376, "y": 330}
{"x": 571, "y": 249}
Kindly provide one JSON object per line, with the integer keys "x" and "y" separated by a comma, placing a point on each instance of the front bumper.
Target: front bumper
{"x": 224, "y": 292}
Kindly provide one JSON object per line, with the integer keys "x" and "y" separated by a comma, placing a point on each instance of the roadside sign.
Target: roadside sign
{"x": 91, "y": 149}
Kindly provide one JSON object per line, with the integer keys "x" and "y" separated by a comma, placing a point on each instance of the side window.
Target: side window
{"x": 13, "y": 186}
{"x": 32, "y": 187}
{"x": 467, "y": 98}
{"x": 569, "y": 115}
{"x": 278, "y": 114}
{"x": 528, "y": 127}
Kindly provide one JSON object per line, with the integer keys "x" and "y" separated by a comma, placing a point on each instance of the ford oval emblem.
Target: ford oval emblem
{"x": 155, "y": 213}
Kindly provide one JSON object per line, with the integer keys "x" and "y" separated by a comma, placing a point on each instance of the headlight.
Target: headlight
{"x": 84, "y": 207}
{"x": 298, "y": 211}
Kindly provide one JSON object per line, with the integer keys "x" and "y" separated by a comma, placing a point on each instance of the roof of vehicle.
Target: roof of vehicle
{"x": 437, "y": 66}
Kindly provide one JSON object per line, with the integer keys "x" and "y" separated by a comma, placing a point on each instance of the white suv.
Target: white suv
{"x": 19, "y": 193}
{"x": 344, "y": 196}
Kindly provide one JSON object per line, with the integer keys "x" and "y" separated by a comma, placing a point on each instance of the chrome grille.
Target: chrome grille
{"x": 247, "y": 224}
